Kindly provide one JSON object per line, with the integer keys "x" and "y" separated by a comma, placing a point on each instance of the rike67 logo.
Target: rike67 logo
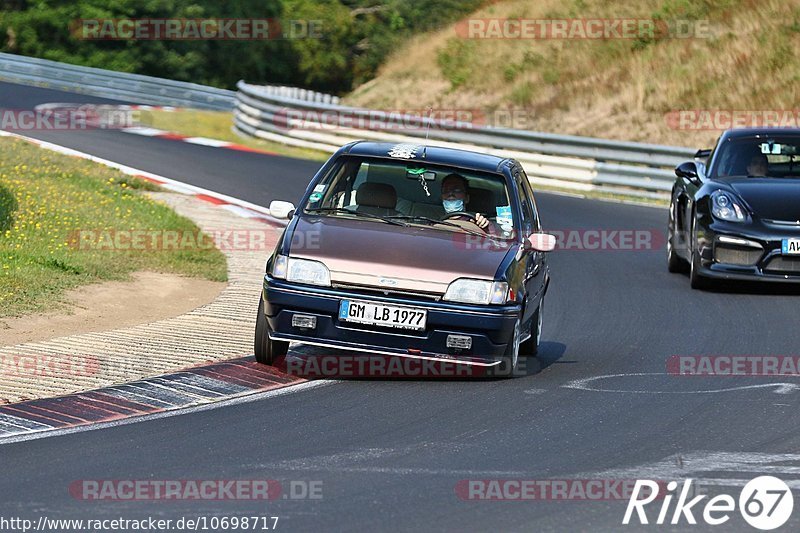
{"x": 765, "y": 503}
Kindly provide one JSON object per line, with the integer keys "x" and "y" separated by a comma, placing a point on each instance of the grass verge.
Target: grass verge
{"x": 45, "y": 198}
{"x": 217, "y": 125}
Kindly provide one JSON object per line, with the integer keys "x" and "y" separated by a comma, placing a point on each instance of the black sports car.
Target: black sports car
{"x": 735, "y": 210}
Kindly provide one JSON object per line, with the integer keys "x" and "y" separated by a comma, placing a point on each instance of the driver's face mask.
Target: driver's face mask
{"x": 453, "y": 206}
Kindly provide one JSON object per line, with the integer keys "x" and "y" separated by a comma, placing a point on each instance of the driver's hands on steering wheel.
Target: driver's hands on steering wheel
{"x": 481, "y": 221}
{"x": 478, "y": 219}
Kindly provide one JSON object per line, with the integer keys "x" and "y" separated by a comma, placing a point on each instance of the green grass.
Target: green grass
{"x": 46, "y": 198}
{"x": 456, "y": 61}
{"x": 217, "y": 125}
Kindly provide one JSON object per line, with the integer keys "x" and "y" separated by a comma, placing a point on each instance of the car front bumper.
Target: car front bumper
{"x": 747, "y": 252}
{"x": 490, "y": 328}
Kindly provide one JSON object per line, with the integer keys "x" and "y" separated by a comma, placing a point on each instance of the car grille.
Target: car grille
{"x": 368, "y": 290}
{"x": 736, "y": 255}
{"x": 784, "y": 264}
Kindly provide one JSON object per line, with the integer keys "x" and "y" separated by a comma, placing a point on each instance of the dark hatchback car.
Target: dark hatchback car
{"x": 372, "y": 261}
{"x": 738, "y": 216}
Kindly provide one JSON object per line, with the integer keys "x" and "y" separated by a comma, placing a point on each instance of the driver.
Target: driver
{"x": 758, "y": 165}
{"x": 455, "y": 197}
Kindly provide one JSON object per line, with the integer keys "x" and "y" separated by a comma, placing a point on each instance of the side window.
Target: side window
{"x": 335, "y": 189}
{"x": 525, "y": 204}
{"x": 536, "y": 225}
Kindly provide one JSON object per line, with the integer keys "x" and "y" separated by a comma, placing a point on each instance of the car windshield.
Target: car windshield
{"x": 411, "y": 193}
{"x": 774, "y": 157}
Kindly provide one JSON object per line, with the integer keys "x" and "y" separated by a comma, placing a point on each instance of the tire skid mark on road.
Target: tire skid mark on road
{"x": 196, "y": 386}
{"x": 712, "y": 468}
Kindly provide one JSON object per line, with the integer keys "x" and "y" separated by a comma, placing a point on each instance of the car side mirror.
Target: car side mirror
{"x": 279, "y": 209}
{"x": 687, "y": 170}
{"x": 541, "y": 242}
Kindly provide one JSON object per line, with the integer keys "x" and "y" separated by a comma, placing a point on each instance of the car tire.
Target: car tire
{"x": 509, "y": 364}
{"x": 530, "y": 347}
{"x": 265, "y": 349}
{"x": 675, "y": 263}
{"x": 696, "y": 280}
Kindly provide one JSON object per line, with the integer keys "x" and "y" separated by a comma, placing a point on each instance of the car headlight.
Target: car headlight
{"x": 306, "y": 271}
{"x": 475, "y": 291}
{"x": 724, "y": 206}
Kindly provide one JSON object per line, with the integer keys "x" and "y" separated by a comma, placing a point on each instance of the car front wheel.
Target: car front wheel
{"x": 267, "y": 350}
{"x": 696, "y": 280}
{"x": 675, "y": 263}
{"x": 509, "y": 363}
{"x": 530, "y": 347}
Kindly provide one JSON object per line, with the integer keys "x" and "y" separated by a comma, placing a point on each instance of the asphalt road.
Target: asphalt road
{"x": 390, "y": 454}
{"x": 245, "y": 175}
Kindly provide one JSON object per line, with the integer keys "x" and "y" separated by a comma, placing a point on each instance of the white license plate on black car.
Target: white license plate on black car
{"x": 388, "y": 316}
{"x": 790, "y": 247}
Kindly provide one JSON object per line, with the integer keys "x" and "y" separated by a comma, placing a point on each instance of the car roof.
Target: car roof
{"x": 426, "y": 153}
{"x": 753, "y": 132}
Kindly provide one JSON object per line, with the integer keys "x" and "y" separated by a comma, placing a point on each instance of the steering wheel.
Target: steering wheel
{"x": 463, "y": 216}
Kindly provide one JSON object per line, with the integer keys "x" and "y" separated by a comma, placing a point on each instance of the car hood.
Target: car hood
{"x": 377, "y": 254}
{"x": 770, "y": 198}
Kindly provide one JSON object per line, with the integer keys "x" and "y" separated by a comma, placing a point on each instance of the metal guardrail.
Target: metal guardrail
{"x": 572, "y": 162}
{"x": 578, "y": 163}
{"x": 123, "y": 86}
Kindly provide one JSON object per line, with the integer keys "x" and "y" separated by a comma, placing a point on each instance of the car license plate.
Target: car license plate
{"x": 388, "y": 316}
{"x": 790, "y": 247}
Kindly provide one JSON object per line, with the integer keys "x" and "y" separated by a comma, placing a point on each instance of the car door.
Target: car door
{"x": 533, "y": 260}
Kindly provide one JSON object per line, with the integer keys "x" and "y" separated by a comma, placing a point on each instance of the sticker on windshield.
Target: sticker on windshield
{"x": 771, "y": 148}
{"x": 316, "y": 196}
{"x": 504, "y": 218}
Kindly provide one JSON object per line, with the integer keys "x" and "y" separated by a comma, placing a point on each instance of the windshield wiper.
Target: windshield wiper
{"x": 425, "y": 219}
{"x": 430, "y": 220}
{"x": 388, "y": 220}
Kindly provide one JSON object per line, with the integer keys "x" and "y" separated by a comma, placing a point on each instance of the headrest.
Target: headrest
{"x": 372, "y": 194}
{"x": 481, "y": 201}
